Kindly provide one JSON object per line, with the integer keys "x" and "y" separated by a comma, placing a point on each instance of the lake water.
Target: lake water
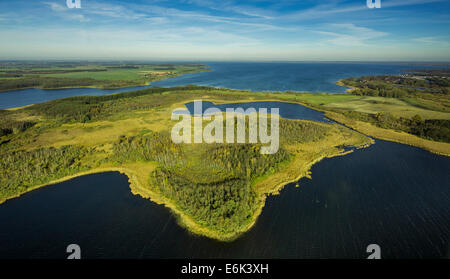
{"x": 312, "y": 77}
{"x": 286, "y": 110}
{"x": 390, "y": 194}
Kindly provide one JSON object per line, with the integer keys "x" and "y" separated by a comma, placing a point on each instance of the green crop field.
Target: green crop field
{"x": 142, "y": 74}
{"x": 15, "y": 76}
{"x": 394, "y": 106}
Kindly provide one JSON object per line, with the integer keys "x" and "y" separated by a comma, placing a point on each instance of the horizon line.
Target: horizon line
{"x": 214, "y": 61}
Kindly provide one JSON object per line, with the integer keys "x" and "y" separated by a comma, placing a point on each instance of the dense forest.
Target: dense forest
{"x": 219, "y": 176}
{"x": 224, "y": 199}
{"x": 154, "y": 147}
{"x": 24, "y": 169}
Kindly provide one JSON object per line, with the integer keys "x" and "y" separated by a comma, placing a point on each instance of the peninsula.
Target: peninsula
{"x": 215, "y": 190}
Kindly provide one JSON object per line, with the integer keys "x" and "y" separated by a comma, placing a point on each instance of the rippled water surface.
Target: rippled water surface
{"x": 393, "y": 195}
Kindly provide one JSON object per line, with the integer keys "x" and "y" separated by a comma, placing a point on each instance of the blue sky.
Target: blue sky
{"x": 261, "y": 30}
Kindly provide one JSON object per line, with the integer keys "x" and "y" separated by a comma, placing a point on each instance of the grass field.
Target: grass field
{"x": 394, "y": 106}
{"x": 323, "y": 99}
{"x": 144, "y": 73}
{"x": 429, "y": 91}
{"x": 441, "y": 148}
{"x": 98, "y": 75}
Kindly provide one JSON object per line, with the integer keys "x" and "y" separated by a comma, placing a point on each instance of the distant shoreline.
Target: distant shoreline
{"x": 112, "y": 78}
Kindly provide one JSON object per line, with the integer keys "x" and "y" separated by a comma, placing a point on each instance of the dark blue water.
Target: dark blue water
{"x": 389, "y": 194}
{"x": 312, "y": 77}
{"x": 19, "y": 98}
{"x": 287, "y": 110}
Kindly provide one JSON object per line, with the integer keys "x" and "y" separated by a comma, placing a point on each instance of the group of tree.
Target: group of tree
{"x": 9, "y": 125}
{"x": 88, "y": 108}
{"x": 210, "y": 182}
{"x": 432, "y": 129}
{"x": 397, "y": 86}
{"x": 24, "y": 169}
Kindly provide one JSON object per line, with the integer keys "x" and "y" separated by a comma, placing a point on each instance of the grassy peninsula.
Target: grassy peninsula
{"x": 216, "y": 190}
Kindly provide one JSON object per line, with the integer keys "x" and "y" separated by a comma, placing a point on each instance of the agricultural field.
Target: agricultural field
{"x": 22, "y": 75}
{"x": 422, "y": 89}
{"x": 397, "y": 107}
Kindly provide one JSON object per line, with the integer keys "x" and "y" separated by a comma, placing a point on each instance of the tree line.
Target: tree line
{"x": 432, "y": 129}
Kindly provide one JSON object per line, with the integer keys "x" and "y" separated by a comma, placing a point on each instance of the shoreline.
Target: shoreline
{"x": 74, "y": 87}
{"x": 439, "y": 148}
{"x": 140, "y": 185}
{"x": 435, "y": 147}
{"x": 184, "y": 220}
{"x": 349, "y": 89}
{"x": 144, "y": 83}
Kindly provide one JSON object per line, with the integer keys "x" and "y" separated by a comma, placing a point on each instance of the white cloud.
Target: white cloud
{"x": 338, "y": 7}
{"x": 399, "y": 3}
{"x": 226, "y": 30}
{"x": 114, "y": 11}
{"x": 56, "y": 6}
{"x": 350, "y": 35}
{"x": 228, "y": 6}
{"x": 64, "y": 12}
{"x": 324, "y": 10}
{"x": 78, "y": 17}
{"x": 431, "y": 40}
